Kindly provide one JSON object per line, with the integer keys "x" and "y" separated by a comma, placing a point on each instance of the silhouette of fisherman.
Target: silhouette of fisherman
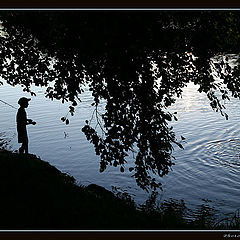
{"x": 22, "y": 123}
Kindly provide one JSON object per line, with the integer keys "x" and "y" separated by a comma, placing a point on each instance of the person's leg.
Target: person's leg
{"x": 21, "y": 149}
{"x": 24, "y": 147}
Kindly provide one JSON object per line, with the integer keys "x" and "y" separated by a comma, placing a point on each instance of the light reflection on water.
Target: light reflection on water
{"x": 208, "y": 167}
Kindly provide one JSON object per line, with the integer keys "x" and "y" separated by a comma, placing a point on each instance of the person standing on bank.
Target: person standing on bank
{"x": 22, "y": 123}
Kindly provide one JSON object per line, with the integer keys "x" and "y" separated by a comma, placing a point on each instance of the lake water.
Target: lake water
{"x": 207, "y": 168}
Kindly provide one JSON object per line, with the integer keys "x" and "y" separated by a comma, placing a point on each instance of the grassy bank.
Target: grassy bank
{"x": 35, "y": 195}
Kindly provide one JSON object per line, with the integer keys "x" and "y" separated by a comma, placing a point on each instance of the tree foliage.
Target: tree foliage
{"x": 137, "y": 61}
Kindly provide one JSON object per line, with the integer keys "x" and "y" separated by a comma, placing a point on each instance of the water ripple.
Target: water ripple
{"x": 225, "y": 153}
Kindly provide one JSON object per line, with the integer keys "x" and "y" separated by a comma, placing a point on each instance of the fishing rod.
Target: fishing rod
{"x": 8, "y": 104}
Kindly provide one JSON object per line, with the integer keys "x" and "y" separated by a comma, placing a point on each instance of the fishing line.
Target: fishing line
{"x": 8, "y": 104}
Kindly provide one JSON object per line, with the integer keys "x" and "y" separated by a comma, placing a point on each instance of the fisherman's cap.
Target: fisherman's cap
{"x": 23, "y": 100}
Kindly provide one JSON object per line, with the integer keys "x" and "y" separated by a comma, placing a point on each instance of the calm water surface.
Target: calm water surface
{"x": 207, "y": 168}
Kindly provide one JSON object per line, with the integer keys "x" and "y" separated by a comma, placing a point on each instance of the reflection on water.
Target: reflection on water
{"x": 5, "y": 140}
{"x": 208, "y": 167}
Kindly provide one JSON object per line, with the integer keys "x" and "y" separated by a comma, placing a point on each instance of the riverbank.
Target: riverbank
{"x": 36, "y": 195}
